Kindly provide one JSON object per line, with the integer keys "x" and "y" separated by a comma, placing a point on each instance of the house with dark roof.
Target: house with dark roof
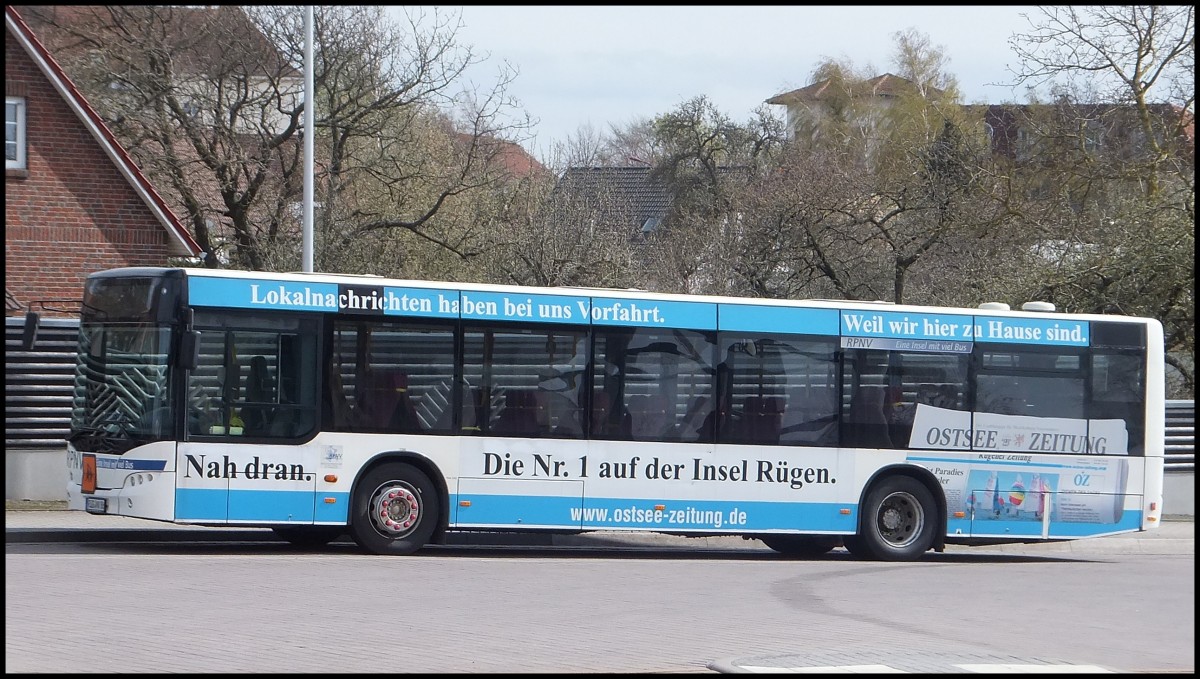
{"x": 75, "y": 202}
{"x": 628, "y": 195}
{"x": 811, "y": 102}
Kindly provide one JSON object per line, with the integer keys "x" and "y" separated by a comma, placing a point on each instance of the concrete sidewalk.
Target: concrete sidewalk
{"x": 25, "y": 526}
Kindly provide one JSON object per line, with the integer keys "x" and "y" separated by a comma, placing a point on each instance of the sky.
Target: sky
{"x": 602, "y": 65}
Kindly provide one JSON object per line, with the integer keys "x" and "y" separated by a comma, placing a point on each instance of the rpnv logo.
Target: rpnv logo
{"x": 332, "y": 457}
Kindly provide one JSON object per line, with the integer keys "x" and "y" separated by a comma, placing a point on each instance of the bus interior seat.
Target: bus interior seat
{"x": 605, "y": 423}
{"x": 695, "y": 419}
{"x": 385, "y": 403}
{"x": 472, "y": 408}
{"x": 649, "y": 415}
{"x": 762, "y": 419}
{"x": 519, "y": 416}
{"x": 867, "y": 425}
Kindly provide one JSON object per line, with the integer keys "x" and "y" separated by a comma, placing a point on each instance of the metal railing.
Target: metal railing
{"x": 1181, "y": 436}
{"x": 38, "y": 384}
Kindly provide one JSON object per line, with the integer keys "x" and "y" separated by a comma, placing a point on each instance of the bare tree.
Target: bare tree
{"x": 210, "y": 102}
{"x": 704, "y": 160}
{"x": 1117, "y": 144}
{"x": 582, "y": 148}
{"x": 1119, "y": 54}
{"x": 544, "y": 235}
{"x": 199, "y": 100}
{"x": 874, "y": 196}
{"x": 631, "y": 143}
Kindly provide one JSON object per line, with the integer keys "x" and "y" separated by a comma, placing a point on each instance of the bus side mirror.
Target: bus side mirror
{"x": 29, "y": 335}
{"x": 189, "y": 349}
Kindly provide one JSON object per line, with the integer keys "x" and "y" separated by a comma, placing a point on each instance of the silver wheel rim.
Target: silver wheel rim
{"x": 395, "y": 509}
{"x": 900, "y": 519}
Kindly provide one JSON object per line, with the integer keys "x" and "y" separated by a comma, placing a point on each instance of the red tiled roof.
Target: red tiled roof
{"x": 511, "y": 156}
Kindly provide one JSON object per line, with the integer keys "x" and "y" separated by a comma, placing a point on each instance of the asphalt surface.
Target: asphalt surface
{"x": 1174, "y": 537}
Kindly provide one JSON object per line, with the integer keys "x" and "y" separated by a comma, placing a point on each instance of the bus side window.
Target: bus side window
{"x": 385, "y": 404}
{"x": 343, "y": 412}
{"x": 519, "y": 416}
{"x": 607, "y": 424}
{"x": 810, "y": 416}
{"x": 867, "y": 424}
{"x": 1117, "y": 388}
{"x": 648, "y": 413}
{"x": 260, "y": 394}
{"x": 692, "y": 426}
{"x": 472, "y": 408}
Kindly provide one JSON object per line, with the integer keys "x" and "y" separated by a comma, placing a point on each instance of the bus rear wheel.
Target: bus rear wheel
{"x": 801, "y": 546}
{"x": 395, "y": 510}
{"x": 897, "y": 521}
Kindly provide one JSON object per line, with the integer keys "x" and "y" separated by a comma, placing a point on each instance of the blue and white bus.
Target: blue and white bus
{"x": 397, "y": 410}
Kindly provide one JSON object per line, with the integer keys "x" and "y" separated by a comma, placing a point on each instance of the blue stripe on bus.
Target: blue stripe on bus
{"x": 244, "y": 293}
{"x": 333, "y": 512}
{"x": 421, "y": 302}
{"x": 905, "y": 325}
{"x": 753, "y": 318}
{"x": 1051, "y": 331}
{"x": 130, "y": 464}
{"x": 503, "y": 306}
{"x": 605, "y": 513}
{"x": 271, "y": 505}
{"x": 1131, "y": 520}
{"x": 654, "y": 313}
{"x": 201, "y": 504}
{"x": 247, "y": 293}
{"x": 517, "y": 510}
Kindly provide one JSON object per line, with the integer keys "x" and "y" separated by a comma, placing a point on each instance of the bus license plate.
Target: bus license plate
{"x": 96, "y": 505}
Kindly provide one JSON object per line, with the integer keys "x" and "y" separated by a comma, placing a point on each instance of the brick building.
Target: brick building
{"x": 74, "y": 200}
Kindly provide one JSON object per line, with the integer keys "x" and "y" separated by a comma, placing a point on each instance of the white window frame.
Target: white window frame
{"x": 17, "y": 163}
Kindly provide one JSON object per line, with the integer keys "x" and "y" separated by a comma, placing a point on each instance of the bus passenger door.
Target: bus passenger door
{"x": 223, "y": 483}
{"x": 201, "y": 483}
{"x": 274, "y": 484}
{"x": 248, "y": 456}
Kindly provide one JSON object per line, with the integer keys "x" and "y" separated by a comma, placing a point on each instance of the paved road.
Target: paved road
{"x": 763, "y": 653}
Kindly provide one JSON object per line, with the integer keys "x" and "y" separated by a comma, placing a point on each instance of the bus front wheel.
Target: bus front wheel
{"x": 897, "y": 521}
{"x": 395, "y": 510}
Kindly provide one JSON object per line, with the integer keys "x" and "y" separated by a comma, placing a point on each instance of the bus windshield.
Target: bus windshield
{"x": 121, "y": 387}
{"x": 122, "y": 379}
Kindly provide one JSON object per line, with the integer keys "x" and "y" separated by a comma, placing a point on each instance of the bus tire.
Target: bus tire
{"x": 801, "y": 546}
{"x": 395, "y": 510}
{"x": 897, "y": 521}
{"x": 308, "y": 536}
